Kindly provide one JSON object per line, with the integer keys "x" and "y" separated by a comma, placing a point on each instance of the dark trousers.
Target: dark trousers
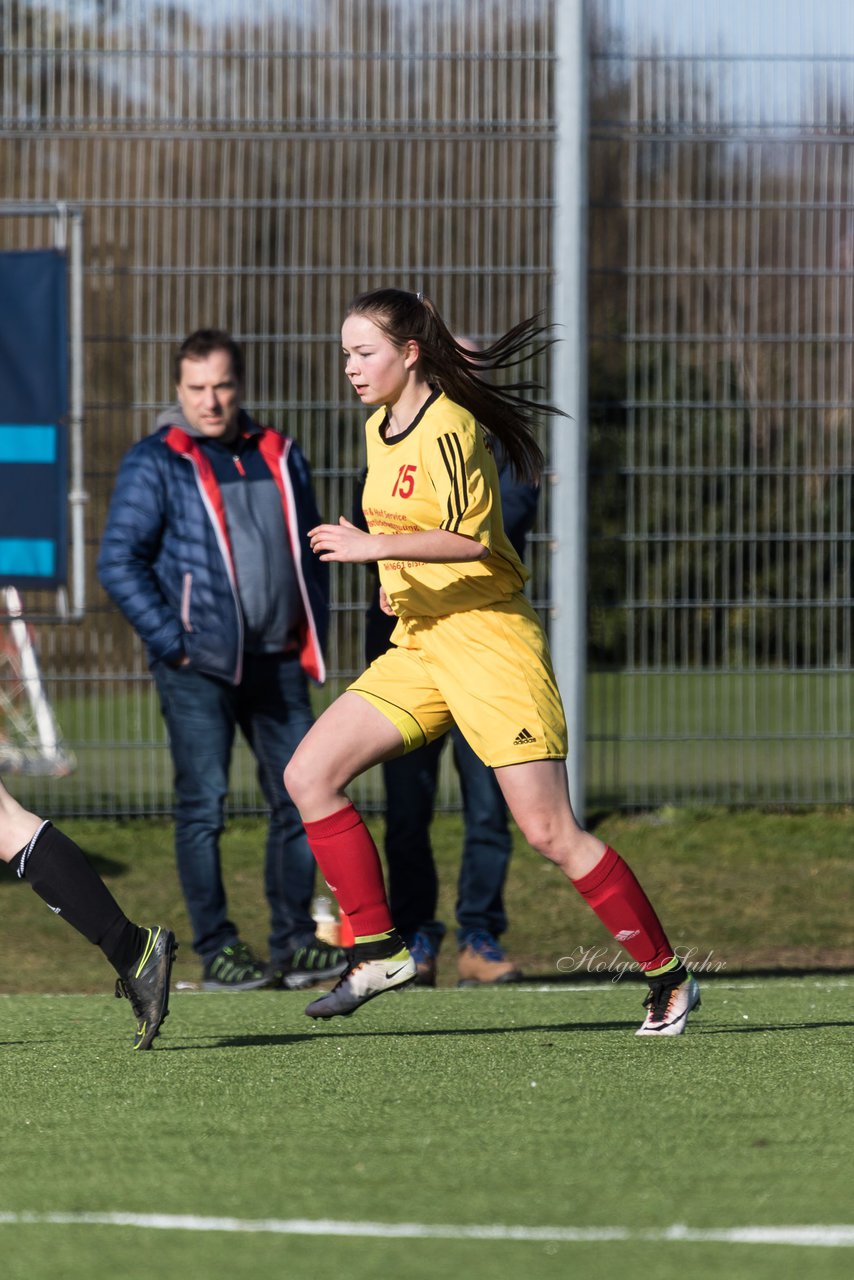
{"x": 410, "y": 787}
{"x": 272, "y": 709}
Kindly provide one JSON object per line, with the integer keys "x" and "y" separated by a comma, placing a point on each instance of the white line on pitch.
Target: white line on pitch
{"x": 826, "y": 1236}
{"x": 832, "y": 981}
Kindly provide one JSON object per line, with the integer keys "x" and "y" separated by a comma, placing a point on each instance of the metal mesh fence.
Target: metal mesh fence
{"x": 252, "y": 166}
{"x": 721, "y": 397}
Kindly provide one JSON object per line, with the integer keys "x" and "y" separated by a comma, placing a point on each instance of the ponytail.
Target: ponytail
{"x": 507, "y": 412}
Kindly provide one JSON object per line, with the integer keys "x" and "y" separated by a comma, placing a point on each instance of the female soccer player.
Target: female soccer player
{"x": 467, "y": 647}
{"x": 60, "y": 873}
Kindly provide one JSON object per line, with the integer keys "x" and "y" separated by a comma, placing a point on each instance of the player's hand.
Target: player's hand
{"x": 343, "y": 542}
{"x": 384, "y": 604}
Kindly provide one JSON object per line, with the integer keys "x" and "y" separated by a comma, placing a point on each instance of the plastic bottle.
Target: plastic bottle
{"x": 326, "y": 922}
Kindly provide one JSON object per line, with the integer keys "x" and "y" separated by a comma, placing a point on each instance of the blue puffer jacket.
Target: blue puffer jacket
{"x": 166, "y": 560}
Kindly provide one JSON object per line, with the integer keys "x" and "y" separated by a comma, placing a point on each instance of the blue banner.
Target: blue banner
{"x": 33, "y": 419}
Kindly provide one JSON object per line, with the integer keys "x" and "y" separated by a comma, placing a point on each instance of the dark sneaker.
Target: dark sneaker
{"x": 366, "y": 980}
{"x": 234, "y": 969}
{"x": 482, "y": 961}
{"x": 669, "y": 1005}
{"x": 312, "y": 963}
{"x": 147, "y": 985}
{"x": 424, "y": 950}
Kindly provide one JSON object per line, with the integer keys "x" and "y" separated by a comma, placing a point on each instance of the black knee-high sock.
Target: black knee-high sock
{"x": 58, "y": 870}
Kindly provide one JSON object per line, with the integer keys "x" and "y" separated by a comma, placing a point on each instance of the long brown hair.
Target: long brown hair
{"x": 507, "y": 412}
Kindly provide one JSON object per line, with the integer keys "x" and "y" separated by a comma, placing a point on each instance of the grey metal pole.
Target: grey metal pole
{"x": 77, "y": 497}
{"x": 569, "y": 385}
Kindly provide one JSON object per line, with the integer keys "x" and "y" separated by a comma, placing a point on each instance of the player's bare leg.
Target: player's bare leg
{"x": 17, "y": 825}
{"x": 348, "y": 738}
{"x": 537, "y": 794}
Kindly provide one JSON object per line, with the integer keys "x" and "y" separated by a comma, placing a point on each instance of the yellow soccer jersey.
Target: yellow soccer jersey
{"x": 439, "y": 474}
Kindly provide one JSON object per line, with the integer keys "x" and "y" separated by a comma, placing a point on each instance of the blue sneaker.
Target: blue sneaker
{"x": 313, "y": 962}
{"x": 482, "y": 961}
{"x": 424, "y": 950}
{"x": 234, "y": 968}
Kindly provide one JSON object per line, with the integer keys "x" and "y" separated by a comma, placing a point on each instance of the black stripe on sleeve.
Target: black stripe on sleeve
{"x": 452, "y": 456}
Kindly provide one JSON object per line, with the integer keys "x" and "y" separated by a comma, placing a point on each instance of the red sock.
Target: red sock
{"x": 621, "y": 904}
{"x": 348, "y": 859}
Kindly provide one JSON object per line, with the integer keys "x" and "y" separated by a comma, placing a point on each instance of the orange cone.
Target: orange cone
{"x": 346, "y": 930}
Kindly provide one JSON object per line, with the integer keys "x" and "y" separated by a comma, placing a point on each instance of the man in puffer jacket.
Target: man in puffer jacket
{"x": 206, "y": 554}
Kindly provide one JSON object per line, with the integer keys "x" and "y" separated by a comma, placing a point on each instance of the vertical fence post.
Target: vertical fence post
{"x": 569, "y": 384}
{"x": 78, "y": 497}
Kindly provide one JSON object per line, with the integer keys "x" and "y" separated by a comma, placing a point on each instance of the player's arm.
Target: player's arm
{"x": 346, "y": 543}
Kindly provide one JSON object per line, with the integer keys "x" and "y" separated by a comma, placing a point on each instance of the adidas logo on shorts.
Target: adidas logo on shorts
{"x": 523, "y": 738}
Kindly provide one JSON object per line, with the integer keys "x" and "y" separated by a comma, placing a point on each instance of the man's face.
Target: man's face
{"x": 209, "y": 395}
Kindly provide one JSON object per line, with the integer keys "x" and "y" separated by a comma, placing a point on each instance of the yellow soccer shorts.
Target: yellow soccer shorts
{"x": 487, "y": 669}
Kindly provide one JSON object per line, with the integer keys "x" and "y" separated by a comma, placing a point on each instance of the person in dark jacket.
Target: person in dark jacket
{"x": 205, "y": 552}
{"x": 410, "y": 792}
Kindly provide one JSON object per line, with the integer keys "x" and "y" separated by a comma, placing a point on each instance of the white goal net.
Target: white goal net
{"x": 30, "y": 741}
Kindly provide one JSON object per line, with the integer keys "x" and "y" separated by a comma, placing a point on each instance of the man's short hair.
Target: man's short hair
{"x": 202, "y": 343}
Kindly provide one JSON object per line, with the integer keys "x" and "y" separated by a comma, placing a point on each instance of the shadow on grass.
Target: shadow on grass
{"x": 266, "y": 1041}
{"x": 248, "y": 1041}
{"x": 696, "y": 1028}
{"x": 236, "y": 1042}
{"x": 733, "y": 1030}
{"x": 550, "y": 1029}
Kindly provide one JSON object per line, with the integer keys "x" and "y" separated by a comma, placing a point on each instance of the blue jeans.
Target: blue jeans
{"x": 271, "y": 707}
{"x": 410, "y": 786}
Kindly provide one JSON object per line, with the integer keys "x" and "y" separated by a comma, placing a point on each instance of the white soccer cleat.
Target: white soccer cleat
{"x": 669, "y": 1007}
{"x": 364, "y": 981}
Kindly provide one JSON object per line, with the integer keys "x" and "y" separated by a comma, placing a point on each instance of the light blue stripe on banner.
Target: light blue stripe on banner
{"x": 26, "y": 557}
{"x": 27, "y": 444}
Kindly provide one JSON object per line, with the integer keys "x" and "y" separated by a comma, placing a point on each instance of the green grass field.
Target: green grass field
{"x": 754, "y": 891}
{"x": 488, "y": 1133}
{"x": 514, "y": 1132}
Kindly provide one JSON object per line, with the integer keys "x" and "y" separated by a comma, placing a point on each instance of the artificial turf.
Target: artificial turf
{"x": 529, "y": 1107}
